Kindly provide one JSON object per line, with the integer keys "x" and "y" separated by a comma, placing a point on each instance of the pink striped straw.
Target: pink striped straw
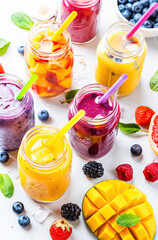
{"x": 142, "y": 20}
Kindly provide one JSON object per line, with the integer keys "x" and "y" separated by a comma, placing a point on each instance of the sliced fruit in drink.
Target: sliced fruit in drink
{"x": 153, "y": 133}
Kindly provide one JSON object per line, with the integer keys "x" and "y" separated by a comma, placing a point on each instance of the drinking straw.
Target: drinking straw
{"x": 142, "y": 20}
{"x": 116, "y": 85}
{"x": 67, "y": 127}
{"x": 27, "y": 86}
{"x": 67, "y": 22}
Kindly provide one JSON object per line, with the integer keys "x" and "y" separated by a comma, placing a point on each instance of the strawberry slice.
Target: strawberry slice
{"x": 52, "y": 77}
{"x": 1, "y": 69}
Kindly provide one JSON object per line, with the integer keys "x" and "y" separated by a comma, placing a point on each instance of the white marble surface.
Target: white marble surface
{"x": 14, "y": 63}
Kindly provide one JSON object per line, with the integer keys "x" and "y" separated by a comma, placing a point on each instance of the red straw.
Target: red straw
{"x": 142, "y": 20}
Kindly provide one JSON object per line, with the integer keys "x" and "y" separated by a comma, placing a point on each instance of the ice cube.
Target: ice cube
{"x": 38, "y": 145}
{"x": 132, "y": 46}
{"x": 41, "y": 213}
{"x": 46, "y": 46}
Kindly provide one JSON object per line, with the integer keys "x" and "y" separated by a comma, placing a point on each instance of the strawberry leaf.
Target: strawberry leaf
{"x": 3, "y": 46}
{"x": 127, "y": 220}
{"x": 6, "y": 185}
{"x": 22, "y": 20}
{"x": 154, "y": 82}
{"x": 129, "y": 128}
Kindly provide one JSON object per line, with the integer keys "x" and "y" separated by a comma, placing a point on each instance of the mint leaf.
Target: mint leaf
{"x": 3, "y": 46}
{"x": 22, "y": 20}
{"x": 70, "y": 95}
{"x": 6, "y": 185}
{"x": 127, "y": 219}
{"x": 129, "y": 128}
{"x": 154, "y": 82}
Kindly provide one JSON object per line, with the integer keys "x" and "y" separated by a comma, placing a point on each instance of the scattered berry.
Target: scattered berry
{"x": 137, "y": 16}
{"x": 126, "y": 13}
{"x": 122, "y": 1}
{"x": 136, "y": 150}
{"x": 1, "y": 69}
{"x": 24, "y": 221}
{"x": 128, "y": 6}
{"x": 124, "y": 172}
{"x": 60, "y": 230}
{"x": 156, "y": 25}
{"x": 148, "y": 24}
{"x": 43, "y": 115}
{"x": 151, "y": 172}
{"x": 137, "y": 7}
{"x": 93, "y": 169}
{"x": 70, "y": 211}
{"x": 21, "y": 50}
{"x": 18, "y": 207}
{"x": 143, "y": 115}
{"x": 121, "y": 7}
{"x": 132, "y": 21}
{"x": 4, "y": 157}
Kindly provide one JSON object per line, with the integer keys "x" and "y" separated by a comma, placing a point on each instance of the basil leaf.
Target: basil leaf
{"x": 3, "y": 46}
{"x": 22, "y": 20}
{"x": 6, "y": 185}
{"x": 129, "y": 128}
{"x": 154, "y": 82}
{"x": 70, "y": 95}
{"x": 127, "y": 220}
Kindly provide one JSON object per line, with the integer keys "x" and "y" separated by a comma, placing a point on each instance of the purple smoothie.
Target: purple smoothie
{"x": 16, "y": 117}
{"x": 94, "y": 135}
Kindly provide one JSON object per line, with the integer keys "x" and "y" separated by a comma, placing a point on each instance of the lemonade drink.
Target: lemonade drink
{"x": 117, "y": 55}
{"x": 44, "y": 170}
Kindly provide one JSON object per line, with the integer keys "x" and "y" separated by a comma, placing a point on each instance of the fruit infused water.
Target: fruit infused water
{"x": 44, "y": 169}
{"x": 116, "y": 54}
{"x": 16, "y": 117}
{"x": 51, "y": 61}
{"x": 84, "y": 27}
{"x": 93, "y": 136}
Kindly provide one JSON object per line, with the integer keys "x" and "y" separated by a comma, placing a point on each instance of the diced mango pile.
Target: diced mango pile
{"x": 54, "y": 75}
{"x": 105, "y": 201}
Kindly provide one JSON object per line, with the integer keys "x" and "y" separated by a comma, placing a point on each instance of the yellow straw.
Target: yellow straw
{"x": 67, "y": 127}
{"x": 64, "y": 26}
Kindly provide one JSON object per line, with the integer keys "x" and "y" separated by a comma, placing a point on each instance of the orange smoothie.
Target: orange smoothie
{"x": 44, "y": 170}
{"x": 117, "y": 55}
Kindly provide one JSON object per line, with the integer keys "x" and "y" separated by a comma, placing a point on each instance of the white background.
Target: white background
{"x": 14, "y": 63}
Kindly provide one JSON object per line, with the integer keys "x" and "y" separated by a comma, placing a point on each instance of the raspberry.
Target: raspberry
{"x": 151, "y": 172}
{"x": 124, "y": 172}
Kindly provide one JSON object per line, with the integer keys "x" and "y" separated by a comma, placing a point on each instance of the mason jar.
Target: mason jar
{"x": 16, "y": 117}
{"x": 43, "y": 179}
{"x": 51, "y": 61}
{"x": 93, "y": 138}
{"x": 113, "y": 61}
{"x": 85, "y": 26}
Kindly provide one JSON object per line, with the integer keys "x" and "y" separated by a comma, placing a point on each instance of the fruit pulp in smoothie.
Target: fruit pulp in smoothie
{"x": 46, "y": 178}
{"x": 54, "y": 74}
{"x": 94, "y": 140}
{"x": 84, "y": 26}
{"x": 110, "y": 68}
{"x": 16, "y": 117}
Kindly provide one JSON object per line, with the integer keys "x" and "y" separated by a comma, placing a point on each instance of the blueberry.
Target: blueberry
{"x": 137, "y": 7}
{"x": 43, "y": 115}
{"x": 148, "y": 24}
{"x": 132, "y": 21}
{"x": 121, "y": 7}
{"x": 128, "y": 6}
{"x": 4, "y": 157}
{"x": 152, "y": 1}
{"x": 156, "y": 25}
{"x": 136, "y": 149}
{"x": 153, "y": 15}
{"x": 156, "y": 20}
{"x": 122, "y": 1}
{"x": 145, "y": 3}
{"x": 126, "y": 13}
{"x": 21, "y": 50}
{"x": 137, "y": 16}
{"x": 119, "y": 60}
{"x": 18, "y": 207}
{"x": 144, "y": 10}
{"x": 132, "y": 1}
{"x": 24, "y": 220}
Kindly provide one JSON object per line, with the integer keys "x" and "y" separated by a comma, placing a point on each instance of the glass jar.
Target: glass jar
{"x": 112, "y": 63}
{"x": 52, "y": 61}
{"x": 84, "y": 27}
{"x": 93, "y": 137}
{"x": 16, "y": 117}
{"x": 48, "y": 180}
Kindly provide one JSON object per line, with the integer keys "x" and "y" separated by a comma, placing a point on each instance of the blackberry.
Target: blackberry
{"x": 93, "y": 169}
{"x": 70, "y": 211}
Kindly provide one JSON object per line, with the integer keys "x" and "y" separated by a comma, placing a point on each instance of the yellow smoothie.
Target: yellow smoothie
{"x": 44, "y": 170}
{"x": 117, "y": 55}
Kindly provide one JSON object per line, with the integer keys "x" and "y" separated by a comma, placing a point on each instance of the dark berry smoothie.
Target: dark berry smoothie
{"x": 16, "y": 117}
{"x": 93, "y": 136}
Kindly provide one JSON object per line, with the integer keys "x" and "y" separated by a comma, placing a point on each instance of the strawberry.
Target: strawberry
{"x": 60, "y": 230}
{"x": 1, "y": 69}
{"x": 143, "y": 115}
